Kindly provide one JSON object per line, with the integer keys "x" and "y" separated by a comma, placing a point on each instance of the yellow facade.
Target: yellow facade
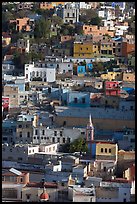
{"x": 96, "y": 51}
{"x": 6, "y": 41}
{"x": 57, "y": 3}
{"x": 112, "y": 76}
{"x": 126, "y": 155}
{"x": 83, "y": 50}
{"x": 129, "y": 77}
{"x": 106, "y": 149}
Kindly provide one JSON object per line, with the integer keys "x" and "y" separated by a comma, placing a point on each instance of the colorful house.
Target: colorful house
{"x": 5, "y": 103}
{"x": 84, "y": 49}
{"x": 112, "y": 76}
{"x": 112, "y": 88}
{"x": 95, "y": 30}
{"x": 81, "y": 70}
{"x": 79, "y": 99}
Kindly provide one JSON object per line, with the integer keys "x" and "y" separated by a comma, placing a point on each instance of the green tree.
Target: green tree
{"x": 20, "y": 59}
{"x": 67, "y": 30}
{"x": 57, "y": 20}
{"x": 89, "y": 16}
{"x": 42, "y": 28}
{"x": 98, "y": 66}
{"x": 78, "y": 145}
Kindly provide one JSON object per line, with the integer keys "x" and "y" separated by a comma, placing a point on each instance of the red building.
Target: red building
{"x": 112, "y": 88}
{"x": 5, "y": 103}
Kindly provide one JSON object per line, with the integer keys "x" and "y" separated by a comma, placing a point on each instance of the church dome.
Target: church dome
{"x": 44, "y": 196}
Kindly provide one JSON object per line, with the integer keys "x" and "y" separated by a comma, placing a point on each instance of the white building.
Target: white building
{"x": 80, "y": 169}
{"x": 113, "y": 191}
{"x": 108, "y": 23}
{"x": 65, "y": 67}
{"x": 18, "y": 152}
{"x": 47, "y": 74}
{"x": 84, "y": 5}
{"x": 43, "y": 134}
{"x": 108, "y": 14}
{"x": 78, "y": 194}
{"x": 71, "y": 12}
{"x": 21, "y": 152}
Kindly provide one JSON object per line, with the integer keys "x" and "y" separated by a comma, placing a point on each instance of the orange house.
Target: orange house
{"x": 66, "y": 38}
{"x": 96, "y": 30}
{"x": 45, "y": 5}
{"x": 21, "y": 23}
{"x": 127, "y": 48}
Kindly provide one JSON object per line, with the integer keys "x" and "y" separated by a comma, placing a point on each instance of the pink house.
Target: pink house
{"x": 112, "y": 88}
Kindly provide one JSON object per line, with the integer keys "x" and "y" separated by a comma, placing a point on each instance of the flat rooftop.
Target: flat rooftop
{"x": 96, "y": 112}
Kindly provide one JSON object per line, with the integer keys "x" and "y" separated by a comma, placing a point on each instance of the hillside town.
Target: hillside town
{"x": 68, "y": 102}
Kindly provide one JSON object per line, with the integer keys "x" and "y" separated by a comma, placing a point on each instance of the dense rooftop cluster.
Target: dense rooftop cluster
{"x": 68, "y": 101}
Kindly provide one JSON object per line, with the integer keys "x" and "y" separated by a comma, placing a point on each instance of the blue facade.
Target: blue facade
{"x": 89, "y": 67}
{"x": 92, "y": 149}
{"x": 81, "y": 70}
{"x": 78, "y": 99}
{"x": 21, "y": 86}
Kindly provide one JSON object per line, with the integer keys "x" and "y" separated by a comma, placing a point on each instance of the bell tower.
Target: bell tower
{"x": 90, "y": 130}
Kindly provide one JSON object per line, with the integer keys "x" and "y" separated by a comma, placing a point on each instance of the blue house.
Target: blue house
{"x": 78, "y": 99}
{"x": 8, "y": 131}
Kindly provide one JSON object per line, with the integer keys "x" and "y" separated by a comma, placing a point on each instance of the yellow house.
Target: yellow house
{"x": 6, "y": 40}
{"x": 106, "y": 151}
{"x": 54, "y": 4}
{"x": 126, "y": 155}
{"x": 96, "y": 49}
{"x": 83, "y": 49}
{"x": 129, "y": 77}
{"x": 112, "y": 76}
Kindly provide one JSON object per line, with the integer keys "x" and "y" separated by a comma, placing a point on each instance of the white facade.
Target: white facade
{"x": 14, "y": 187}
{"x": 107, "y": 14}
{"x": 80, "y": 169}
{"x": 47, "y": 74}
{"x": 43, "y": 134}
{"x": 78, "y": 194}
{"x": 18, "y": 152}
{"x": 49, "y": 148}
{"x": 122, "y": 192}
{"x": 65, "y": 67}
{"x": 108, "y": 23}
{"x": 71, "y": 12}
{"x": 84, "y": 5}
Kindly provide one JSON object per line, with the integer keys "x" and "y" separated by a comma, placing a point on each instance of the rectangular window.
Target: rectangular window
{"x": 43, "y": 132}
{"x": 75, "y": 100}
{"x": 28, "y": 134}
{"x": 53, "y": 139}
{"x": 105, "y": 150}
{"x": 60, "y": 133}
{"x": 101, "y": 149}
{"x": 58, "y": 139}
{"x": 64, "y": 140}
{"x": 20, "y": 134}
{"x": 83, "y": 100}
{"x": 36, "y": 132}
{"x": 109, "y": 150}
{"x": 55, "y": 133}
